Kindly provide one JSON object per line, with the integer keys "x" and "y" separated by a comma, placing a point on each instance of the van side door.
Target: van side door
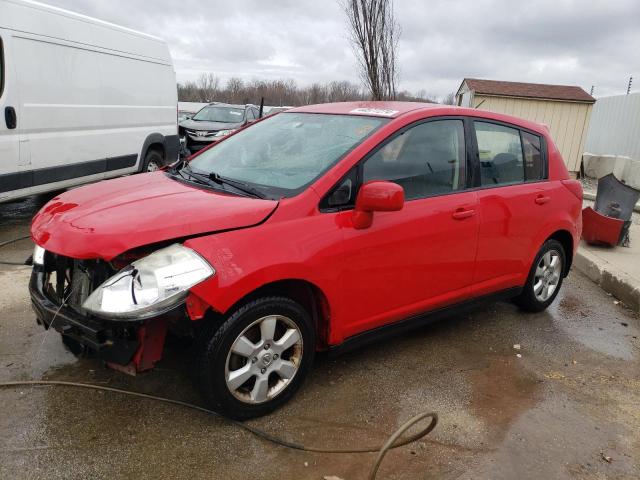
{"x": 60, "y": 113}
{"x": 11, "y": 178}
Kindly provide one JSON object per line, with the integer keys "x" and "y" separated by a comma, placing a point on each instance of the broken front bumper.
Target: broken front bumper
{"x": 128, "y": 345}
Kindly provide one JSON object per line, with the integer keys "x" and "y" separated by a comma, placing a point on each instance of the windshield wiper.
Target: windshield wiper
{"x": 243, "y": 187}
{"x": 181, "y": 168}
{"x": 213, "y": 179}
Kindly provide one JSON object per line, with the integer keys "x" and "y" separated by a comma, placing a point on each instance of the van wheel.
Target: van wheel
{"x": 545, "y": 278}
{"x": 153, "y": 161}
{"x": 257, "y": 359}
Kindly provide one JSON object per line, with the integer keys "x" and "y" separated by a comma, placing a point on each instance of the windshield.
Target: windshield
{"x": 283, "y": 154}
{"x": 220, "y": 114}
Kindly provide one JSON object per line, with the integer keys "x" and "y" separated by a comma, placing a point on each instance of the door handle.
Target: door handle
{"x": 10, "y": 117}
{"x": 461, "y": 213}
{"x": 541, "y": 199}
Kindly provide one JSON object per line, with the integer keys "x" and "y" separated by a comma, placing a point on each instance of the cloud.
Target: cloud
{"x": 584, "y": 43}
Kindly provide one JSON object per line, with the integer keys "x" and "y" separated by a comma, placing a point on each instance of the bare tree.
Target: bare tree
{"x": 235, "y": 90}
{"x": 316, "y": 93}
{"x": 449, "y": 99}
{"x": 188, "y": 92}
{"x": 209, "y": 86}
{"x": 374, "y": 35}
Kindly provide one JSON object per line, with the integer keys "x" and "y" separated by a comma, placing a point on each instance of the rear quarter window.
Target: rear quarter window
{"x": 534, "y": 167}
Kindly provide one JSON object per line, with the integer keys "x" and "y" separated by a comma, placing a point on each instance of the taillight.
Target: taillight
{"x": 575, "y": 187}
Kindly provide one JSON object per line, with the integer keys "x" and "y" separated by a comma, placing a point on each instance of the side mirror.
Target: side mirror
{"x": 376, "y": 196}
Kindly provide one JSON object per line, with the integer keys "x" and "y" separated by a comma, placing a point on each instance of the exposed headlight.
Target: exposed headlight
{"x": 223, "y": 133}
{"x": 150, "y": 286}
{"x": 38, "y": 255}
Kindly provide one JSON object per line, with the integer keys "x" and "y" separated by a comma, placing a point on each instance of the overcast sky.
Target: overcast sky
{"x": 584, "y": 43}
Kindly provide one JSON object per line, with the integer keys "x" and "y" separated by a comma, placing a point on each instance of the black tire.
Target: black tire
{"x": 153, "y": 160}
{"x": 214, "y": 347}
{"x": 527, "y": 300}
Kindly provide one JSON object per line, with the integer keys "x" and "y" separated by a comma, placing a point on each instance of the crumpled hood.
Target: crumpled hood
{"x": 208, "y": 126}
{"x": 105, "y": 219}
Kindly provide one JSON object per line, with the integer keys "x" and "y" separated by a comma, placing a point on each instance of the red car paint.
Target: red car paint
{"x": 109, "y": 218}
{"x": 600, "y": 229}
{"x": 431, "y": 253}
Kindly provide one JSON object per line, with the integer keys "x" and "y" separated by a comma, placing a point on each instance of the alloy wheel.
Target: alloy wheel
{"x": 264, "y": 359}
{"x": 547, "y": 275}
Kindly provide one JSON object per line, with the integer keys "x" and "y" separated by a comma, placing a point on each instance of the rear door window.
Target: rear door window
{"x": 533, "y": 158}
{"x": 500, "y": 151}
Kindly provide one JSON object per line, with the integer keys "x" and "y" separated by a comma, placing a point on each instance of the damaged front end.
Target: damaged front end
{"x": 121, "y": 314}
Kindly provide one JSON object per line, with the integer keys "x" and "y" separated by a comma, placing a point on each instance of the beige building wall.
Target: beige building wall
{"x": 568, "y": 121}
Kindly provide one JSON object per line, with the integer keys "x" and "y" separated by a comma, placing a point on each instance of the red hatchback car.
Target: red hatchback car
{"x": 319, "y": 228}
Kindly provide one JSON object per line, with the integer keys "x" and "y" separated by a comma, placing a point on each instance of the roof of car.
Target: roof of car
{"x": 370, "y": 108}
{"x": 221, "y": 104}
{"x": 397, "y": 109}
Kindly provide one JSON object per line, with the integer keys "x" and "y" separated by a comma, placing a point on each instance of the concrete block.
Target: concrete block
{"x": 625, "y": 169}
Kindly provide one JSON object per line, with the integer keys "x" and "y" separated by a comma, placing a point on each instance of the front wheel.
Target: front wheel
{"x": 545, "y": 278}
{"x": 153, "y": 161}
{"x": 256, "y": 360}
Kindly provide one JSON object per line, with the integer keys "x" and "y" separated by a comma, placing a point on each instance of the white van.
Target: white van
{"x": 80, "y": 100}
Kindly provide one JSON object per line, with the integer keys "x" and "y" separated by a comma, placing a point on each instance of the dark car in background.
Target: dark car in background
{"x": 213, "y": 122}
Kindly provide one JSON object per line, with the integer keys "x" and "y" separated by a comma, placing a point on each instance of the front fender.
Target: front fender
{"x": 247, "y": 259}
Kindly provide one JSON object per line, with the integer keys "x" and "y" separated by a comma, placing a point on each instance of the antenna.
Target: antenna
{"x": 629, "y": 85}
{"x": 592, "y": 88}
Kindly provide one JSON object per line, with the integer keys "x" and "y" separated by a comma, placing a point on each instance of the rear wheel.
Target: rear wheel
{"x": 153, "y": 161}
{"x": 257, "y": 359}
{"x": 545, "y": 277}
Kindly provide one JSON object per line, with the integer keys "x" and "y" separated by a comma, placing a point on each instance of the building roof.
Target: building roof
{"x": 528, "y": 90}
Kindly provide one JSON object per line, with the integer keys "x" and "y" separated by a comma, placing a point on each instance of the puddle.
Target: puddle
{"x": 502, "y": 392}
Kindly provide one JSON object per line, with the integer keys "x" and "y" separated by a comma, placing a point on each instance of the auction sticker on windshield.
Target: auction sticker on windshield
{"x": 375, "y": 111}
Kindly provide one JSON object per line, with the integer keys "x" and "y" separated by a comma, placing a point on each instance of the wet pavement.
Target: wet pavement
{"x": 561, "y": 410}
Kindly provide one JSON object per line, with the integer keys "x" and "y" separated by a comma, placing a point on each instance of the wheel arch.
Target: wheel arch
{"x": 154, "y": 141}
{"x": 566, "y": 240}
{"x": 307, "y": 294}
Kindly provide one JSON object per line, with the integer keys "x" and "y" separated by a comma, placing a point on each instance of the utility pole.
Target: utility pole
{"x": 629, "y": 85}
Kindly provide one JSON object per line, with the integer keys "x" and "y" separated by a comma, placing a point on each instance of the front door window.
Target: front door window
{"x": 425, "y": 160}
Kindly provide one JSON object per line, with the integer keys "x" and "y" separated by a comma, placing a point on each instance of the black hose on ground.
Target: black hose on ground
{"x": 394, "y": 441}
{"x": 9, "y": 242}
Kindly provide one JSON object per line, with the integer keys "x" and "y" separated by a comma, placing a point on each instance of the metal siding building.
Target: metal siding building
{"x": 566, "y": 110}
{"x": 615, "y": 127}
